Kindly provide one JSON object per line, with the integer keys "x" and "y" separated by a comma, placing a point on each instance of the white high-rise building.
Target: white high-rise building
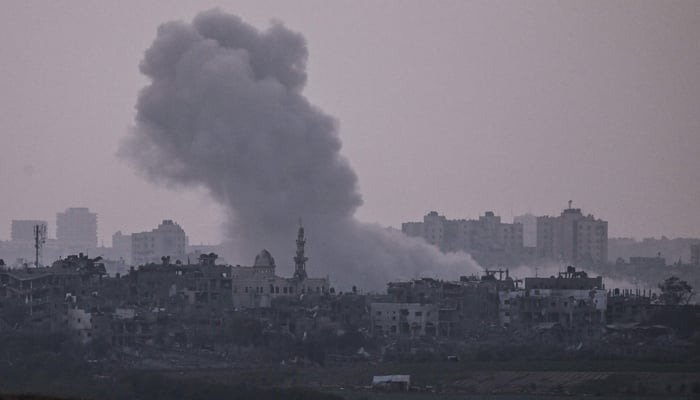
{"x": 529, "y": 223}
{"x": 572, "y": 238}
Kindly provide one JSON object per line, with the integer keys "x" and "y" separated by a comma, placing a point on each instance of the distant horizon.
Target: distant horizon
{"x": 108, "y": 237}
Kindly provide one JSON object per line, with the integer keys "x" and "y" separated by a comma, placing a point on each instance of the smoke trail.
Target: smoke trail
{"x": 225, "y": 110}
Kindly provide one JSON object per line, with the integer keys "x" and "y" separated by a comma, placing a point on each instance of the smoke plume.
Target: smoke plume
{"x": 224, "y": 110}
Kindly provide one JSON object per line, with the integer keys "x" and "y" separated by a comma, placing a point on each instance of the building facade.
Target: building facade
{"x": 572, "y": 238}
{"x": 76, "y": 229}
{"x": 167, "y": 240}
{"x": 529, "y": 223}
{"x": 23, "y": 230}
{"x": 121, "y": 246}
{"x": 259, "y": 285}
{"x": 572, "y": 301}
{"x": 489, "y": 240}
{"x": 695, "y": 254}
{"x": 403, "y": 319}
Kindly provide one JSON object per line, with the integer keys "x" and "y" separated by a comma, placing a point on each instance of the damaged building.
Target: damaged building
{"x": 180, "y": 305}
{"x": 445, "y": 309}
{"x": 572, "y": 301}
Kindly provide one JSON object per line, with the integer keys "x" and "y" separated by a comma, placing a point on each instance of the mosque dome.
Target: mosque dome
{"x": 264, "y": 259}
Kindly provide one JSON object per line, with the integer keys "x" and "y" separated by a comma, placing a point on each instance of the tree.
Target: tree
{"x": 675, "y": 291}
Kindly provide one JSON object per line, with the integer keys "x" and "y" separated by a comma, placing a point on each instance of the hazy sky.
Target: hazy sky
{"x": 459, "y": 107}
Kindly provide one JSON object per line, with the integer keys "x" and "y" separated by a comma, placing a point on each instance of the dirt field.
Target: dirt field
{"x": 458, "y": 379}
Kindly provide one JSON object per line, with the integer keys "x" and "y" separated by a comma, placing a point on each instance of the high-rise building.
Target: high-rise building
{"x": 572, "y": 238}
{"x": 168, "y": 240}
{"x": 510, "y": 237}
{"x": 412, "y": 229}
{"x": 23, "y": 230}
{"x": 487, "y": 236}
{"x": 434, "y": 229}
{"x": 121, "y": 246}
{"x": 529, "y": 223}
{"x": 76, "y": 229}
{"x": 547, "y": 239}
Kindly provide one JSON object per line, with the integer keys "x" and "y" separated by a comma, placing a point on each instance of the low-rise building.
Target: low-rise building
{"x": 167, "y": 240}
{"x": 404, "y": 319}
{"x": 648, "y": 262}
{"x": 573, "y": 301}
{"x": 257, "y": 286}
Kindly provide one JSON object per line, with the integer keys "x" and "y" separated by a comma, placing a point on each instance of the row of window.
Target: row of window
{"x": 405, "y": 312}
{"x": 278, "y": 290}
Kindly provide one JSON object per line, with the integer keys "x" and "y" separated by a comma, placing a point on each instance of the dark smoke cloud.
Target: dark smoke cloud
{"x": 225, "y": 110}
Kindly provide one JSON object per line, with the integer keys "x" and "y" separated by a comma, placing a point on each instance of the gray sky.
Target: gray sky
{"x": 458, "y": 106}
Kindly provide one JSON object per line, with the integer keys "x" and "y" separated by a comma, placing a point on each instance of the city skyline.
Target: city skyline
{"x": 527, "y": 109}
{"x": 234, "y": 199}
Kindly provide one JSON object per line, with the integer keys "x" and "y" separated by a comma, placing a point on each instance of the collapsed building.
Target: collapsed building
{"x": 151, "y": 303}
{"x": 41, "y": 296}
